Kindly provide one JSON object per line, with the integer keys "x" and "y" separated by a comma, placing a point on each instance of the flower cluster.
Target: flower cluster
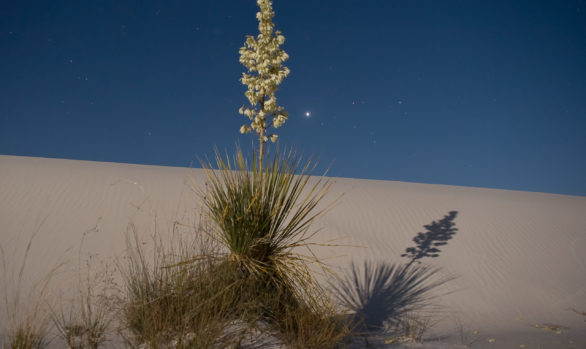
{"x": 264, "y": 60}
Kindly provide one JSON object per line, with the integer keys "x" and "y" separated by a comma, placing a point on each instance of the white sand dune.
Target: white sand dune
{"x": 518, "y": 258}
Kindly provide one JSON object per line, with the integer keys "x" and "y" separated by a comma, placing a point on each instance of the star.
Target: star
{"x": 307, "y": 114}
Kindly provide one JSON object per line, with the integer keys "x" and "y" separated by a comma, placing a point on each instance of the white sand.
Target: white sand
{"x": 519, "y": 258}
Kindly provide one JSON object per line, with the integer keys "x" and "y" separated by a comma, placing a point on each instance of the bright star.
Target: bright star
{"x": 307, "y": 114}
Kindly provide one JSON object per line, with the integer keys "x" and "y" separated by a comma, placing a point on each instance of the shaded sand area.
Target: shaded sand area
{"x": 516, "y": 260}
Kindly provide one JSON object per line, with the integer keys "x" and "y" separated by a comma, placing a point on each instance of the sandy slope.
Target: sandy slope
{"x": 519, "y": 258}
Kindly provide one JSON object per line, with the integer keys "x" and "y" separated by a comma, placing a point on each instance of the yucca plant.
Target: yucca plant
{"x": 262, "y": 215}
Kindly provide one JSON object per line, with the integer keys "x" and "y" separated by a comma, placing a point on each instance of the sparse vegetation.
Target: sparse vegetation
{"x": 467, "y": 337}
{"x": 411, "y": 329}
{"x": 29, "y": 323}
{"x": 27, "y": 335}
{"x": 85, "y": 324}
{"x": 236, "y": 281}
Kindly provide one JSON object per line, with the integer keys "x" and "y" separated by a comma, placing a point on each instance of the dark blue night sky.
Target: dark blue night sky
{"x": 475, "y": 93}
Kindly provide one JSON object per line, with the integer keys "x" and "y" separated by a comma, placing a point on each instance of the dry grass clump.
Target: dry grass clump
{"x": 170, "y": 303}
{"x": 304, "y": 328}
{"x": 213, "y": 306}
{"x": 27, "y": 336}
{"x": 411, "y": 329}
{"x": 84, "y": 328}
{"x": 85, "y": 325}
{"x": 84, "y": 321}
{"x": 29, "y": 322}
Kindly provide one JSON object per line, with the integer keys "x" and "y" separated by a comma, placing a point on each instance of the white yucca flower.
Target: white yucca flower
{"x": 244, "y": 129}
{"x": 265, "y": 71}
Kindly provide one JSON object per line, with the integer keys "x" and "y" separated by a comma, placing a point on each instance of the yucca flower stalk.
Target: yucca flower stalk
{"x": 264, "y": 61}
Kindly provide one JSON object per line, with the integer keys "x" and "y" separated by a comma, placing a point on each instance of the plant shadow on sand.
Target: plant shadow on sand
{"x": 382, "y": 295}
{"x": 437, "y": 234}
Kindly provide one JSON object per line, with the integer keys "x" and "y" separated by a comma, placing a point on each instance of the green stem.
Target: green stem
{"x": 261, "y": 137}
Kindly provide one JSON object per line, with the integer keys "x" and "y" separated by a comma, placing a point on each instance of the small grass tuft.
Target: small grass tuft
{"x": 29, "y": 322}
{"x": 86, "y": 323}
{"x": 27, "y": 336}
{"x": 412, "y": 328}
{"x": 305, "y": 328}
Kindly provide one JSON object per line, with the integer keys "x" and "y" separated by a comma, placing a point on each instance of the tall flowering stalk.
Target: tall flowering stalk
{"x": 264, "y": 60}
